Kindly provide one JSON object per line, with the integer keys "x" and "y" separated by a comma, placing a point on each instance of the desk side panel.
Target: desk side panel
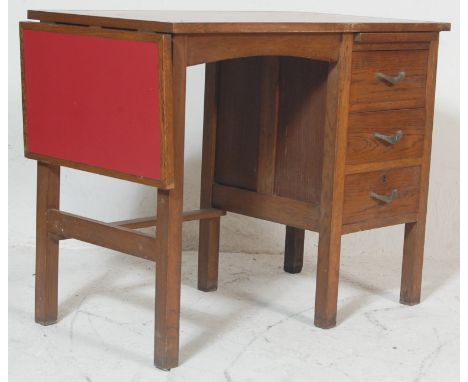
{"x": 93, "y": 101}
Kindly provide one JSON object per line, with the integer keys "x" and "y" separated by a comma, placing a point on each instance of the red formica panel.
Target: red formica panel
{"x": 93, "y": 100}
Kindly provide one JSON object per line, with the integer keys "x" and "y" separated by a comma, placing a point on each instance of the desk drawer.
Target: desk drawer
{"x": 368, "y": 196}
{"x": 385, "y": 135}
{"x": 373, "y": 73}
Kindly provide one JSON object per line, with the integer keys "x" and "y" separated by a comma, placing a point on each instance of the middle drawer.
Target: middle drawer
{"x": 385, "y": 135}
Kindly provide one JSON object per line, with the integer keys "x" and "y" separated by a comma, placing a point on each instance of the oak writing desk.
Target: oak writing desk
{"x": 318, "y": 122}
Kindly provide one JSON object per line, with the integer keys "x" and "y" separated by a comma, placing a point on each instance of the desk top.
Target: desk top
{"x": 235, "y": 22}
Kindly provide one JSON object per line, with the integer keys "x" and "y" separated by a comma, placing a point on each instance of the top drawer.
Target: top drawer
{"x": 370, "y": 90}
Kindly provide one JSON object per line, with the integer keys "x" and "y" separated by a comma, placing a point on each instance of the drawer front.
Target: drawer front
{"x": 360, "y": 206}
{"x": 385, "y": 135}
{"x": 93, "y": 100}
{"x": 370, "y": 91}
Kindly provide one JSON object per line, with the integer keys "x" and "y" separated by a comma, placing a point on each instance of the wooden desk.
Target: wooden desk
{"x": 317, "y": 122}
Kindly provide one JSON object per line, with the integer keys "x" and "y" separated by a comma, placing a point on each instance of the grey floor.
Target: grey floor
{"x": 257, "y": 327}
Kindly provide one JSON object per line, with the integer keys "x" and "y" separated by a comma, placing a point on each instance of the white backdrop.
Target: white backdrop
{"x": 109, "y": 199}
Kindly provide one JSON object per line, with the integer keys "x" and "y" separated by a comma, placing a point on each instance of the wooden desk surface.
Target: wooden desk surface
{"x": 235, "y": 22}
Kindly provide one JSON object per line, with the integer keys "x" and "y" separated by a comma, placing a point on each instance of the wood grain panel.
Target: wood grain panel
{"x": 302, "y": 106}
{"x": 216, "y": 47}
{"x": 364, "y": 147}
{"x": 268, "y": 207}
{"x": 239, "y": 96}
{"x": 359, "y": 206}
{"x": 369, "y": 93}
{"x": 268, "y": 132}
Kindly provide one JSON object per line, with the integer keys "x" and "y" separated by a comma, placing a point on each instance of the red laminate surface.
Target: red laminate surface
{"x": 93, "y": 100}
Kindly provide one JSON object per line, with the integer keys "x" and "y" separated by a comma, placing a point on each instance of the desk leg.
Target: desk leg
{"x": 47, "y": 247}
{"x": 328, "y": 269}
{"x": 208, "y": 255}
{"x": 169, "y": 227}
{"x": 413, "y": 250}
{"x": 294, "y": 249}
{"x": 208, "y": 244}
{"x": 331, "y": 201}
{"x": 168, "y": 276}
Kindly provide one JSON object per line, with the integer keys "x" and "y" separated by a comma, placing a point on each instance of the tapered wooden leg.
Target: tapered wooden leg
{"x": 169, "y": 226}
{"x": 47, "y": 247}
{"x": 328, "y": 269}
{"x": 413, "y": 252}
{"x": 168, "y": 278}
{"x": 331, "y": 200}
{"x": 208, "y": 244}
{"x": 294, "y": 249}
{"x": 208, "y": 255}
{"x": 413, "y": 248}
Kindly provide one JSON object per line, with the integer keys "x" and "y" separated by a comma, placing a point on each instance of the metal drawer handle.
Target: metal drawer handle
{"x": 391, "y": 139}
{"x": 385, "y": 198}
{"x": 392, "y": 79}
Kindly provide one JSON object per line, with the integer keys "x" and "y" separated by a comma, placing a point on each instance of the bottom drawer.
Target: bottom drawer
{"x": 382, "y": 194}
